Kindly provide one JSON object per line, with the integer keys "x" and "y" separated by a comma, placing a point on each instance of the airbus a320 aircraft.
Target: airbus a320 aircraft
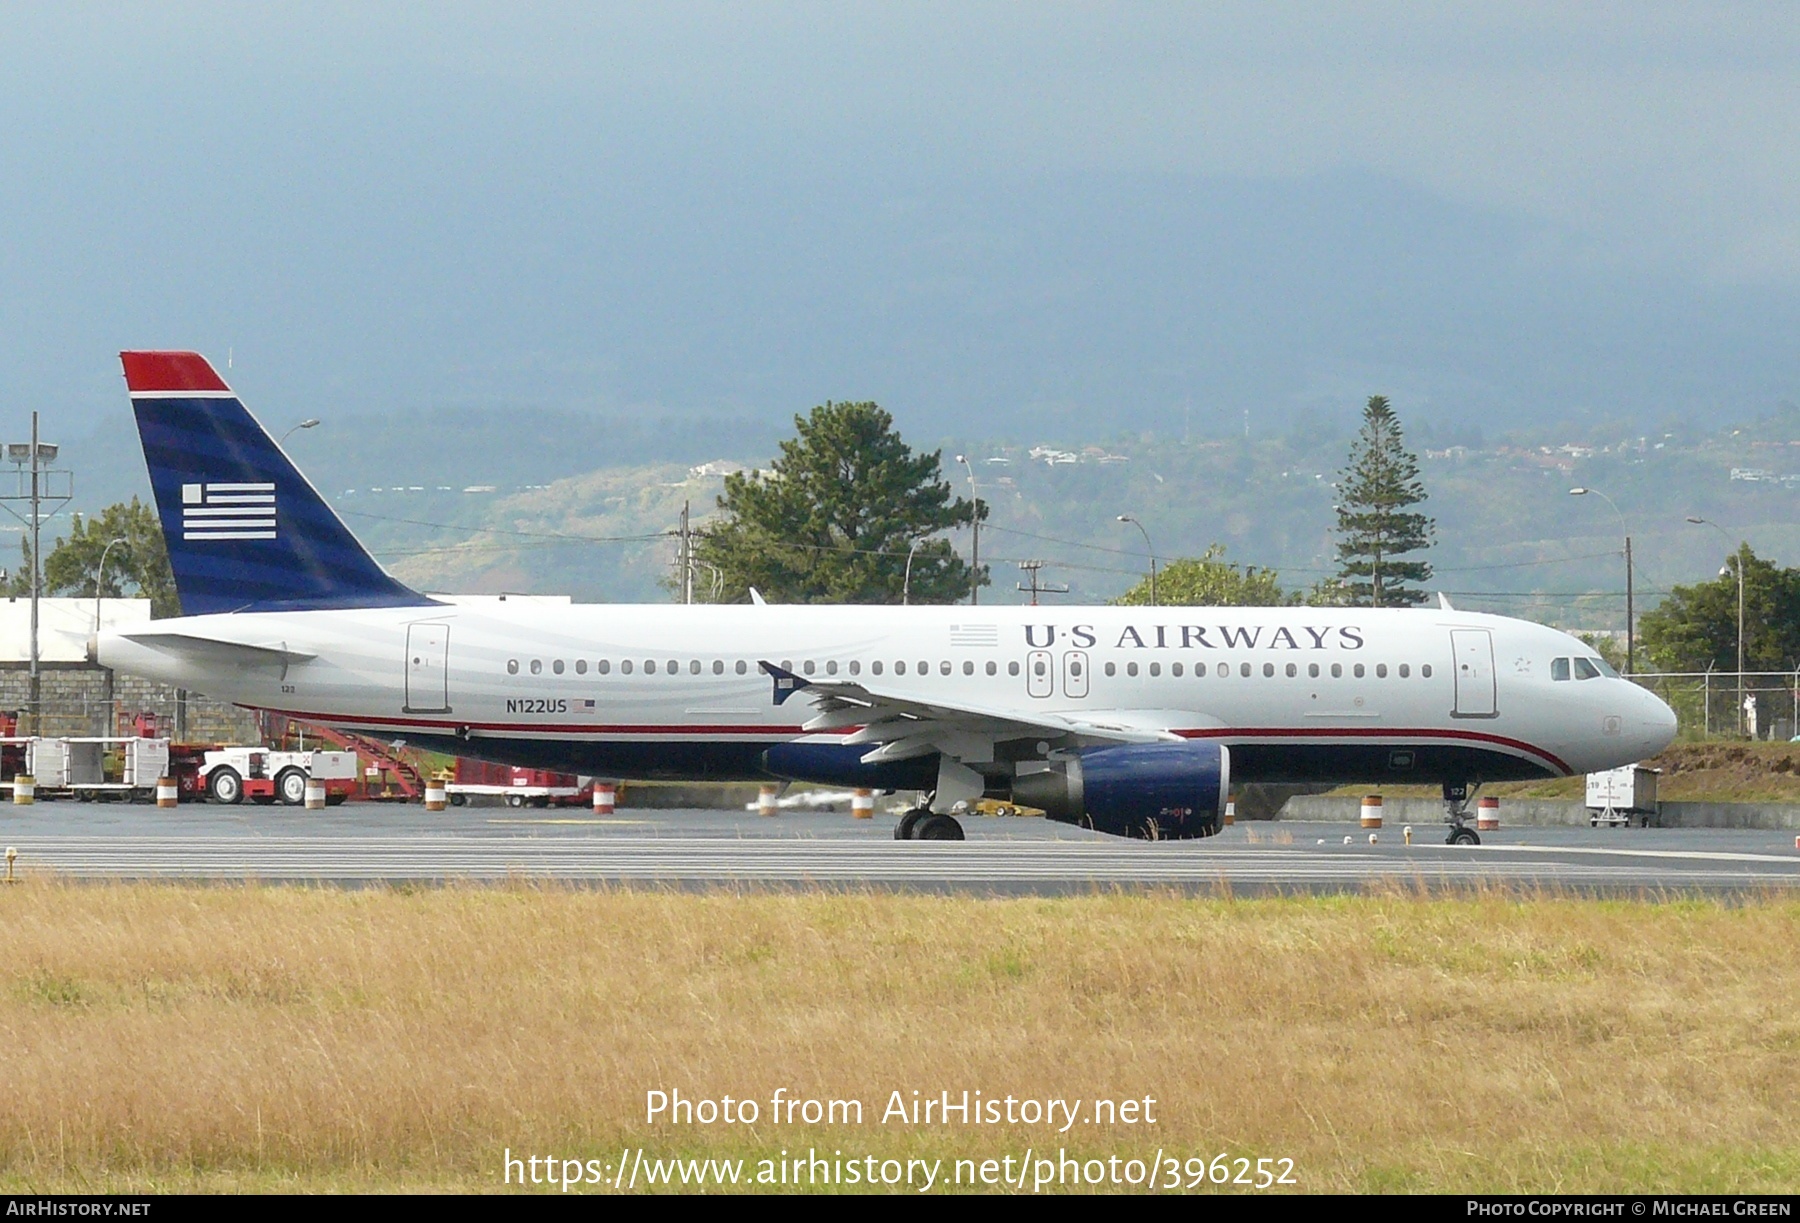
{"x": 1132, "y": 721}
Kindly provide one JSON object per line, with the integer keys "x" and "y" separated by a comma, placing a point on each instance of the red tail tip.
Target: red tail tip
{"x": 170, "y": 371}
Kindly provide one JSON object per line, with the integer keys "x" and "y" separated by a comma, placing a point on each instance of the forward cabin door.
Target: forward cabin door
{"x": 427, "y": 668}
{"x": 1474, "y": 653}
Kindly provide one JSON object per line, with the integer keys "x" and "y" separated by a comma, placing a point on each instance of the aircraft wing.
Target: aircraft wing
{"x": 901, "y": 727}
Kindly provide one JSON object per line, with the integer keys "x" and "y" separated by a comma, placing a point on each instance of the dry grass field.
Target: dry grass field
{"x": 291, "y": 1038}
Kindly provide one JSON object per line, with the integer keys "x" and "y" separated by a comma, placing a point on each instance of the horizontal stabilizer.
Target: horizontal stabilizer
{"x": 211, "y": 650}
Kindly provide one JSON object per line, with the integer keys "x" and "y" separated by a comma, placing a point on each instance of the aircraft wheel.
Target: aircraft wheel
{"x": 938, "y": 828}
{"x": 225, "y": 786}
{"x": 908, "y": 827}
{"x": 1462, "y": 836}
{"x": 290, "y": 787}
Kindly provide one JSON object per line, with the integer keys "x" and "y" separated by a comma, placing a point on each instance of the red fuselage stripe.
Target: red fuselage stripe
{"x": 1399, "y": 735}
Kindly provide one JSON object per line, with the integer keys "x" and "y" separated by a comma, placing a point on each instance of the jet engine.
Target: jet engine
{"x": 1151, "y": 791}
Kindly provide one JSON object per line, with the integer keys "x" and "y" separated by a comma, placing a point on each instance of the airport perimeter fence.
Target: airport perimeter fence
{"x": 1729, "y": 705}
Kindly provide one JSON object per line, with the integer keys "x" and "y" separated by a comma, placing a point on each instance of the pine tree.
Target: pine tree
{"x": 838, "y": 517}
{"x": 1376, "y": 524}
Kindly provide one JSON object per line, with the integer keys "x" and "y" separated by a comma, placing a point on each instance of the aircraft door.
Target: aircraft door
{"x": 1039, "y": 679}
{"x": 1473, "y": 650}
{"x": 1075, "y": 674}
{"x": 427, "y": 668}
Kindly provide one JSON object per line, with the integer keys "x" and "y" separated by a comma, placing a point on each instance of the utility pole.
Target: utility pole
{"x": 687, "y": 557}
{"x": 1036, "y": 588}
{"x": 38, "y": 454}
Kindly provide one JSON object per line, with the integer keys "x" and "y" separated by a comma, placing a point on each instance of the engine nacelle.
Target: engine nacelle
{"x": 1153, "y": 791}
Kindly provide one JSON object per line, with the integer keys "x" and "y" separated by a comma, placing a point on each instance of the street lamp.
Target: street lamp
{"x": 975, "y": 545}
{"x": 311, "y": 422}
{"x": 1150, "y": 548}
{"x": 1630, "y": 620}
{"x": 906, "y": 583}
{"x": 35, "y": 456}
{"x": 100, "y": 578}
{"x": 1740, "y": 577}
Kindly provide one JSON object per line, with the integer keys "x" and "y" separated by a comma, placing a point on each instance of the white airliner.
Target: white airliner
{"x": 1132, "y": 721}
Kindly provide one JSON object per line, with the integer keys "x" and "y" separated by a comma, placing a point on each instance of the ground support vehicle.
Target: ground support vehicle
{"x": 97, "y": 768}
{"x": 266, "y": 775}
{"x": 479, "y": 781}
{"x": 1617, "y": 796}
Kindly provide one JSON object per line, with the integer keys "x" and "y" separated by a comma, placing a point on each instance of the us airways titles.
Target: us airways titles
{"x": 1202, "y": 637}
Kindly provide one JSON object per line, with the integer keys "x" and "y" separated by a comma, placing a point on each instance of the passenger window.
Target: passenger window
{"x": 1312, "y": 670}
{"x": 581, "y": 666}
{"x": 1559, "y": 669}
{"x": 1358, "y": 671}
{"x": 557, "y": 666}
{"x": 968, "y": 667}
{"x": 1012, "y": 668}
{"x": 1075, "y": 668}
{"x": 1037, "y": 668}
{"x": 649, "y": 666}
{"x": 787, "y": 664}
{"x": 537, "y": 666}
{"x": 1337, "y": 670}
{"x": 512, "y": 666}
{"x": 1175, "y": 670}
{"x": 944, "y": 667}
{"x": 875, "y": 667}
{"x": 1425, "y": 671}
{"x": 1244, "y": 669}
{"x": 742, "y": 666}
{"x": 1380, "y": 670}
{"x": 1268, "y": 670}
{"x": 1156, "y": 669}
{"x": 1292, "y": 670}
{"x": 1224, "y": 669}
{"x": 992, "y": 668}
{"x": 1112, "y": 668}
{"x": 1131, "y": 669}
{"x": 831, "y": 667}
{"x": 1585, "y": 669}
{"x": 1405, "y": 671}
{"x": 625, "y": 667}
{"x": 674, "y": 666}
{"x": 899, "y": 667}
{"x": 603, "y": 666}
{"x": 924, "y": 668}
{"x": 807, "y": 666}
{"x": 718, "y": 666}
{"x": 694, "y": 666}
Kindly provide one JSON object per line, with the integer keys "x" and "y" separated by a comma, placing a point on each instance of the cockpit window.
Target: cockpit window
{"x": 1559, "y": 668}
{"x": 1606, "y": 668}
{"x": 1585, "y": 669}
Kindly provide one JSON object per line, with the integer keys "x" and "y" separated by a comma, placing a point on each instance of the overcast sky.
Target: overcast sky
{"x": 1056, "y": 215}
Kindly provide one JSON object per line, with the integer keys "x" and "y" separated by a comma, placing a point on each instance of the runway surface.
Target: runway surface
{"x": 370, "y": 843}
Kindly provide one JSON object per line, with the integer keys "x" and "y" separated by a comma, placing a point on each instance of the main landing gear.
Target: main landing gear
{"x": 924, "y": 824}
{"x": 1456, "y": 813}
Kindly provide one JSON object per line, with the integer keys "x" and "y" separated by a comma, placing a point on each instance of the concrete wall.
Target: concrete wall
{"x": 83, "y": 699}
{"x": 1518, "y": 812}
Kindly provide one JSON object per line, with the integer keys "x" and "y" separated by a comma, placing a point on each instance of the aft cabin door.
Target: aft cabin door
{"x": 427, "y": 668}
{"x": 1474, "y": 651}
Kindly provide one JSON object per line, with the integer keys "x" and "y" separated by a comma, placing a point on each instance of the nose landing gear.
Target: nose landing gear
{"x": 1456, "y": 812}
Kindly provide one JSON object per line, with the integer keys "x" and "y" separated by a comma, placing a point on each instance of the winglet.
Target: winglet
{"x": 786, "y": 682}
{"x": 1444, "y": 602}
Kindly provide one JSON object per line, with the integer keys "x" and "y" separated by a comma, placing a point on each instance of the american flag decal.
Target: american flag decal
{"x": 228, "y": 511}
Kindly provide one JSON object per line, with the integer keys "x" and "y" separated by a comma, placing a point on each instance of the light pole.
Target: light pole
{"x": 975, "y": 544}
{"x": 1740, "y": 577}
{"x": 906, "y": 583}
{"x": 38, "y": 455}
{"x": 311, "y": 422}
{"x": 1630, "y": 620}
{"x": 100, "y": 578}
{"x": 1148, "y": 547}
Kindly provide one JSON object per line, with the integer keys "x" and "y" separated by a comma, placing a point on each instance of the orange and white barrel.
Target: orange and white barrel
{"x": 168, "y": 794}
{"x": 315, "y": 794}
{"x": 1231, "y": 811}
{"x": 606, "y": 797}
{"x": 1487, "y": 815}
{"x": 24, "y": 789}
{"x": 862, "y": 805}
{"x": 435, "y": 797}
{"x": 765, "y": 800}
{"x": 1371, "y": 811}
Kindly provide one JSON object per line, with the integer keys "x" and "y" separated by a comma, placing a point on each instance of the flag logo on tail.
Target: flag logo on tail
{"x": 228, "y": 511}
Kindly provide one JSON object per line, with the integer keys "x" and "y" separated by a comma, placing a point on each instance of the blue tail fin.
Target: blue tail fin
{"x": 246, "y": 531}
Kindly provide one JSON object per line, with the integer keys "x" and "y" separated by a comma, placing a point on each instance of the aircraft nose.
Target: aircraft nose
{"x": 1657, "y": 724}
